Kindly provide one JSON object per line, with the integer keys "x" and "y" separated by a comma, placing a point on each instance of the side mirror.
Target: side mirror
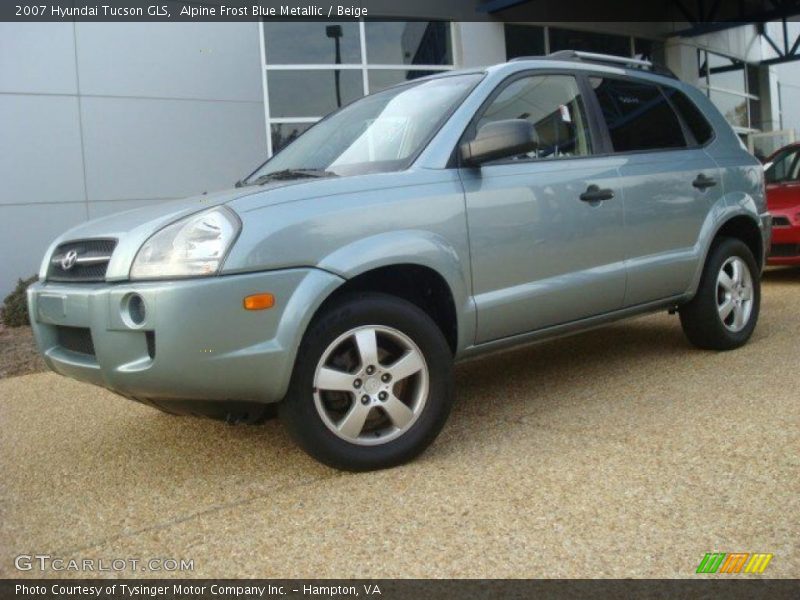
{"x": 499, "y": 140}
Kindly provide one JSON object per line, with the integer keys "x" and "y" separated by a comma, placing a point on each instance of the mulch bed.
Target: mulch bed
{"x": 18, "y": 354}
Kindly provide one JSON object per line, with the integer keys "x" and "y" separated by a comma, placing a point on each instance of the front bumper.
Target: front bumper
{"x": 785, "y": 247}
{"x": 196, "y": 342}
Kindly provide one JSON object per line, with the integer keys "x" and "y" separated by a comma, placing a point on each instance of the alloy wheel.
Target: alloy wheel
{"x": 371, "y": 385}
{"x": 734, "y": 294}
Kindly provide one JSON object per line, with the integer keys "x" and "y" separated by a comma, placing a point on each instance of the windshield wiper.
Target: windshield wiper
{"x": 291, "y": 174}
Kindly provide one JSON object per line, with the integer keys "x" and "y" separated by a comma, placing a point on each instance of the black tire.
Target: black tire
{"x": 700, "y": 318}
{"x": 299, "y": 411}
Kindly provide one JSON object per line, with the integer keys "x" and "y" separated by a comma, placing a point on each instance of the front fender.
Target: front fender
{"x": 413, "y": 247}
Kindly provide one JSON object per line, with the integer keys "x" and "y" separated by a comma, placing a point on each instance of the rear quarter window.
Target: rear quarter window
{"x": 638, "y": 115}
{"x": 691, "y": 115}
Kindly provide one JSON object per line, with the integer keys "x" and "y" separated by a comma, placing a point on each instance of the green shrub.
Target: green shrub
{"x": 14, "y": 312}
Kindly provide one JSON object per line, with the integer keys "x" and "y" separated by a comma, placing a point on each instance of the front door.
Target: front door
{"x": 545, "y": 228}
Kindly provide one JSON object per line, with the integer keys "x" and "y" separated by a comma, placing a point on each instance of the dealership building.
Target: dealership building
{"x": 103, "y": 117}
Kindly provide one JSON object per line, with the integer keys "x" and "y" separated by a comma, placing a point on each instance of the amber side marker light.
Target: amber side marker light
{"x": 259, "y": 302}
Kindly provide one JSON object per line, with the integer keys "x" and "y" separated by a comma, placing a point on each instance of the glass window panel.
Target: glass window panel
{"x": 782, "y": 166}
{"x": 312, "y": 93}
{"x": 753, "y": 87}
{"x": 524, "y": 40}
{"x": 588, "y": 41}
{"x": 554, "y": 105}
{"x": 649, "y": 50}
{"x": 284, "y": 134}
{"x": 702, "y": 68}
{"x": 638, "y": 115}
{"x": 380, "y": 79}
{"x": 726, "y": 73}
{"x": 691, "y": 115}
{"x": 409, "y": 43}
{"x": 310, "y": 42}
{"x": 733, "y": 107}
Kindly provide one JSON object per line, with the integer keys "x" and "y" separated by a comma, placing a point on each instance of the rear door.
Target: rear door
{"x": 543, "y": 252}
{"x": 667, "y": 179}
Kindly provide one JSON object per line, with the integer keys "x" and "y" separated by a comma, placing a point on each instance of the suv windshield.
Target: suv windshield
{"x": 378, "y": 133}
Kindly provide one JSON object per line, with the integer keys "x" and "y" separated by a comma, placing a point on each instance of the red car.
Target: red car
{"x": 782, "y": 172}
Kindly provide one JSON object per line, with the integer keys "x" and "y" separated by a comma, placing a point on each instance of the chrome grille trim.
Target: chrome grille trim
{"x": 81, "y": 260}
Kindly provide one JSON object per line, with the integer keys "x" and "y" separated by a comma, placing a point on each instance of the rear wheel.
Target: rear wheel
{"x": 372, "y": 386}
{"x": 724, "y": 312}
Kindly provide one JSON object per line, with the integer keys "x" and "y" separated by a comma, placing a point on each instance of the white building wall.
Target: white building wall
{"x": 102, "y": 117}
{"x": 479, "y": 44}
{"x": 787, "y": 82}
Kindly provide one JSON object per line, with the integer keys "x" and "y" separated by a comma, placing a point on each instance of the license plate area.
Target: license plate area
{"x": 52, "y": 308}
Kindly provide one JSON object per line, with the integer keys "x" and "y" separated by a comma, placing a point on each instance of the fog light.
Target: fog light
{"x": 259, "y": 302}
{"x": 136, "y": 309}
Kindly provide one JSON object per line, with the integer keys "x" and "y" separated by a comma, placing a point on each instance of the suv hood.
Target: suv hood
{"x": 132, "y": 228}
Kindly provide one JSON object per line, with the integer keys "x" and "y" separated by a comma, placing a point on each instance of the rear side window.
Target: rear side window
{"x": 691, "y": 115}
{"x": 638, "y": 115}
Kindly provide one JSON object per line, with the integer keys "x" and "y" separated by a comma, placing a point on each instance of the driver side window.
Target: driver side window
{"x": 553, "y": 104}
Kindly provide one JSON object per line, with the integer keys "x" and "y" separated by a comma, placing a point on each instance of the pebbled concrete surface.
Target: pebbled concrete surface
{"x": 621, "y": 452}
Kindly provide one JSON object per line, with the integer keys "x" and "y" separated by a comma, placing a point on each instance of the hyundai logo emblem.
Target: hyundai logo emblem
{"x": 69, "y": 259}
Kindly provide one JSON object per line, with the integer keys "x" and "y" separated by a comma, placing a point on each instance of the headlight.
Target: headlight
{"x": 192, "y": 247}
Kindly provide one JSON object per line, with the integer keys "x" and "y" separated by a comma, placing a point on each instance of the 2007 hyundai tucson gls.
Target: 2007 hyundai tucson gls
{"x": 433, "y": 221}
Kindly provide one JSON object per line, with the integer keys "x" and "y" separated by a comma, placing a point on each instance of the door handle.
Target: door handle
{"x": 594, "y": 194}
{"x": 702, "y": 182}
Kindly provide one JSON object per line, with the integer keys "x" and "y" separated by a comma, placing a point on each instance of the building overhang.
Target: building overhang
{"x": 681, "y": 18}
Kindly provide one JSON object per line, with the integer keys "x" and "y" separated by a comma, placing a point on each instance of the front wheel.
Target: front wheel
{"x": 724, "y": 312}
{"x": 372, "y": 385}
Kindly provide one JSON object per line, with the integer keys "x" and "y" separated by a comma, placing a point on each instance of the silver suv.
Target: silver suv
{"x": 437, "y": 220}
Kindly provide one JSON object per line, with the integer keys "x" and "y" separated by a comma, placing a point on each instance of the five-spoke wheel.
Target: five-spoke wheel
{"x": 724, "y": 311}
{"x": 735, "y": 293}
{"x": 372, "y": 385}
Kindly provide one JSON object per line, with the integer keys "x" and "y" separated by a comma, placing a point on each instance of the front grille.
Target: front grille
{"x": 75, "y": 339}
{"x": 785, "y": 250}
{"x": 81, "y": 261}
{"x": 781, "y": 222}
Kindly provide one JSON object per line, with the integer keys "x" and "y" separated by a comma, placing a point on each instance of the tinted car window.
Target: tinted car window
{"x": 691, "y": 115}
{"x": 554, "y": 105}
{"x": 638, "y": 115}
{"x": 784, "y": 167}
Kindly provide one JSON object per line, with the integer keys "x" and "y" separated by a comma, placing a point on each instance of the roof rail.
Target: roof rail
{"x": 608, "y": 59}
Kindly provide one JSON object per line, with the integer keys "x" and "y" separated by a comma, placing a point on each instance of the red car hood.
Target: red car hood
{"x": 782, "y": 196}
